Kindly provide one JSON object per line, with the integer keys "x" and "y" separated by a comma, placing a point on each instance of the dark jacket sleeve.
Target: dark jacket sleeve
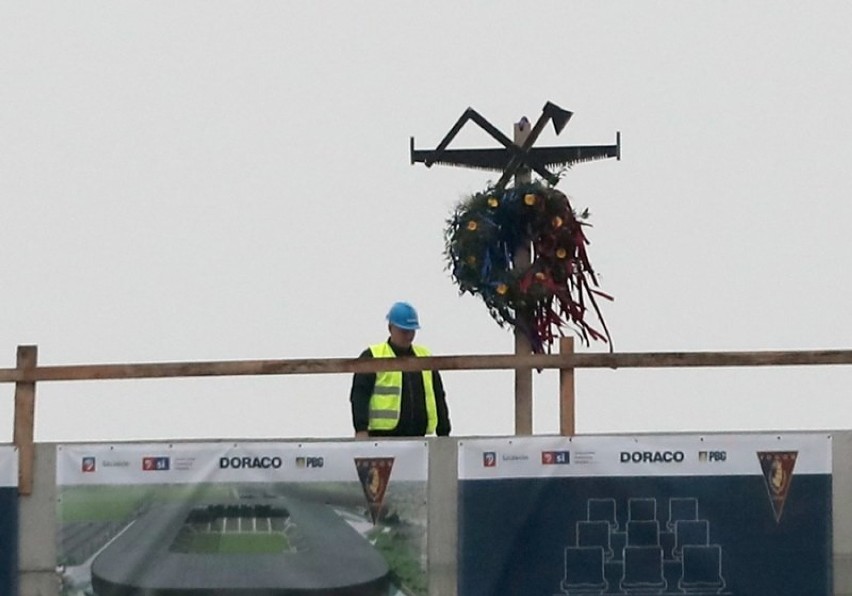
{"x": 360, "y": 394}
{"x": 443, "y": 428}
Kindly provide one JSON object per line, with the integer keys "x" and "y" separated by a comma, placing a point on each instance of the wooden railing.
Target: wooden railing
{"x": 27, "y": 373}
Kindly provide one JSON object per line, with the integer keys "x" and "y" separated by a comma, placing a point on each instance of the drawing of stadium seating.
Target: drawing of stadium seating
{"x": 702, "y": 569}
{"x": 641, "y": 509}
{"x": 595, "y": 533}
{"x": 681, "y": 509}
{"x": 584, "y": 571}
{"x": 648, "y": 556}
{"x": 643, "y": 533}
{"x": 691, "y": 533}
{"x": 643, "y": 570}
{"x": 602, "y": 510}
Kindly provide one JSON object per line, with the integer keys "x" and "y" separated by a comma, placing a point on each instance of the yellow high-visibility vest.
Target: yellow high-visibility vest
{"x": 386, "y": 401}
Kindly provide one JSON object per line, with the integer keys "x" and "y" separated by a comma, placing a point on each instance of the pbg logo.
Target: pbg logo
{"x": 89, "y": 464}
{"x": 309, "y": 462}
{"x": 709, "y": 456}
{"x": 489, "y": 459}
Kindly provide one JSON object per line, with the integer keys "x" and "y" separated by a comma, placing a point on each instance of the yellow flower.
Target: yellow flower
{"x": 471, "y": 225}
{"x": 502, "y": 289}
{"x": 561, "y": 253}
{"x": 529, "y": 199}
{"x": 493, "y": 202}
{"x": 557, "y": 222}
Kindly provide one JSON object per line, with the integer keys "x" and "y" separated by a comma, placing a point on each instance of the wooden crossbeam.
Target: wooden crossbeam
{"x": 615, "y": 360}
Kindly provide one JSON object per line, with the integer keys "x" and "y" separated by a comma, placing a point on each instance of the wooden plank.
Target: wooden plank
{"x": 88, "y": 372}
{"x": 567, "y": 405}
{"x": 273, "y": 367}
{"x": 522, "y": 260}
{"x": 24, "y": 431}
{"x": 523, "y": 380}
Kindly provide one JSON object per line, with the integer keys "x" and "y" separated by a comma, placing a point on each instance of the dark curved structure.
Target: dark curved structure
{"x": 326, "y": 557}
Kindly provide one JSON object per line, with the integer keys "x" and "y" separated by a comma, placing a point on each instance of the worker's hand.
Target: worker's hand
{"x": 362, "y": 434}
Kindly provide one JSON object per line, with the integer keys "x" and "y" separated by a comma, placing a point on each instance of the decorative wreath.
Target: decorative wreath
{"x": 556, "y": 290}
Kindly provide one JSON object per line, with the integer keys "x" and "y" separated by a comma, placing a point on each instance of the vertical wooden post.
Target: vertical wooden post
{"x": 24, "y": 432}
{"x": 566, "y": 391}
{"x": 522, "y": 259}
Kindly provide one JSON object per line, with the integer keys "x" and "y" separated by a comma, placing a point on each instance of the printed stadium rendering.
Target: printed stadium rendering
{"x": 277, "y": 547}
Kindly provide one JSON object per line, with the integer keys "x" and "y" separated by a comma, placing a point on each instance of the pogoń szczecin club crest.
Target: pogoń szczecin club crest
{"x": 777, "y": 469}
{"x": 374, "y": 474}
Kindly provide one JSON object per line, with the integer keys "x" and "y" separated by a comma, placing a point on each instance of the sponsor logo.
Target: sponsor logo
{"x": 489, "y": 459}
{"x": 184, "y": 463}
{"x": 89, "y": 464}
{"x": 374, "y": 474}
{"x": 119, "y": 463}
{"x": 651, "y": 457}
{"x": 237, "y": 463}
{"x": 549, "y": 458}
{"x": 155, "y": 464}
{"x": 309, "y": 462}
{"x": 709, "y": 456}
{"x": 584, "y": 457}
{"x": 777, "y": 467}
{"x": 514, "y": 457}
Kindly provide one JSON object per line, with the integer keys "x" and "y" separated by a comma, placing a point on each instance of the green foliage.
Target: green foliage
{"x": 116, "y": 503}
{"x": 403, "y": 558}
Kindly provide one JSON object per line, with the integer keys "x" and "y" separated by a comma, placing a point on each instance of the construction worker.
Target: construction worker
{"x": 395, "y": 403}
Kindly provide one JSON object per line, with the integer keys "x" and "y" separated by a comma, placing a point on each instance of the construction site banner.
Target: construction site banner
{"x": 716, "y": 514}
{"x": 259, "y": 517}
{"x": 8, "y": 520}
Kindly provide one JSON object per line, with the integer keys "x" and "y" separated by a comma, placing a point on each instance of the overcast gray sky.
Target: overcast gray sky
{"x": 185, "y": 181}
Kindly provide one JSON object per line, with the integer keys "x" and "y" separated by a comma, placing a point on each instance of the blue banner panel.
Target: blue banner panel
{"x": 8, "y": 521}
{"x": 604, "y": 515}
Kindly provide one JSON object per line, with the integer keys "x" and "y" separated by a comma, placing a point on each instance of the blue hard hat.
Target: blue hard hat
{"x": 403, "y": 315}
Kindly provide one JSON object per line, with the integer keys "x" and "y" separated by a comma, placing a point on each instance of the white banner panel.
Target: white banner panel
{"x": 8, "y": 465}
{"x": 651, "y": 455}
{"x": 243, "y": 517}
{"x": 191, "y": 463}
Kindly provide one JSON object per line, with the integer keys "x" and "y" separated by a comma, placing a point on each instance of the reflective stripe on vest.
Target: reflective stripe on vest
{"x": 386, "y": 401}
